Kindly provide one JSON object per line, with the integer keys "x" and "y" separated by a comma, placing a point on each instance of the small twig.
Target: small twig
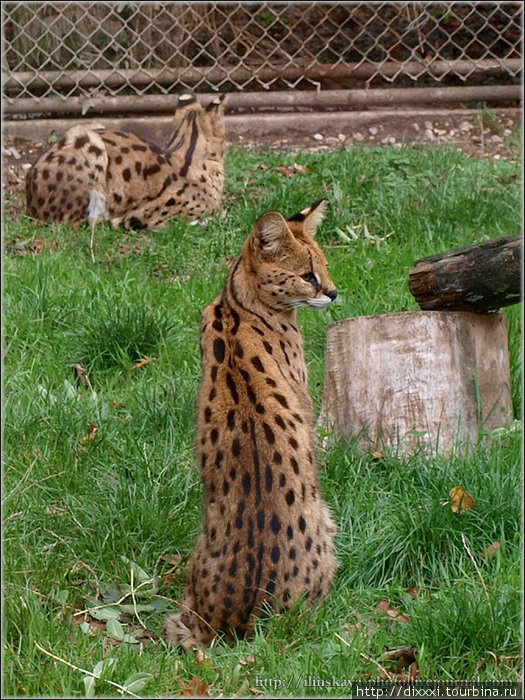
{"x": 368, "y": 658}
{"x": 135, "y": 600}
{"x": 109, "y": 605}
{"x": 477, "y": 569}
{"x": 479, "y": 574}
{"x": 121, "y": 688}
{"x": 61, "y": 539}
{"x": 13, "y": 515}
{"x": 92, "y": 242}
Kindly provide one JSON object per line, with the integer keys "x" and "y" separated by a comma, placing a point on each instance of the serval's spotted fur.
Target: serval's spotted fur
{"x": 268, "y": 537}
{"x": 91, "y": 174}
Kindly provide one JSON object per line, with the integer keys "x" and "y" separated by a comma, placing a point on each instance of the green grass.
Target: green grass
{"x": 74, "y": 508}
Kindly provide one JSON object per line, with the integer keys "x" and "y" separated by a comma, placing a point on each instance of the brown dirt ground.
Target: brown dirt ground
{"x": 479, "y": 134}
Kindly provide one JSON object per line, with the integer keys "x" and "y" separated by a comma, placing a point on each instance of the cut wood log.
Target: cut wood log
{"x": 482, "y": 277}
{"x": 428, "y": 381}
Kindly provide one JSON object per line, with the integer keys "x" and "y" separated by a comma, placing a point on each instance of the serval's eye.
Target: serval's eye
{"x": 311, "y": 277}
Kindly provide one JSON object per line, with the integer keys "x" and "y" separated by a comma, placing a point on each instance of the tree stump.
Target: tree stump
{"x": 482, "y": 277}
{"x": 417, "y": 381}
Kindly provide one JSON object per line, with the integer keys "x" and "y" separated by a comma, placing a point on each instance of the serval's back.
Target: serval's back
{"x": 97, "y": 174}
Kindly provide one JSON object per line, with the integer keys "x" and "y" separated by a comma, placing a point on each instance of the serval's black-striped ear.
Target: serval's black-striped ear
{"x": 271, "y": 234}
{"x": 312, "y": 216}
{"x": 216, "y": 103}
{"x": 186, "y": 98}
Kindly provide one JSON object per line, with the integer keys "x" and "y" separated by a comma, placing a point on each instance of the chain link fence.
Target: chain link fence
{"x": 80, "y": 50}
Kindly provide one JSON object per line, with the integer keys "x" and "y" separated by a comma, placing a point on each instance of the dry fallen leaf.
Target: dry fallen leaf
{"x": 80, "y": 374}
{"x": 461, "y": 500}
{"x": 36, "y": 246}
{"x": 173, "y": 559}
{"x": 248, "y": 660}
{"x": 413, "y": 591}
{"x": 366, "y": 627}
{"x": 291, "y": 170}
{"x": 86, "y": 617}
{"x": 403, "y": 657}
{"x": 93, "y": 430}
{"x": 491, "y": 550}
{"x": 196, "y": 687}
{"x": 168, "y": 578}
{"x": 413, "y": 672}
{"x": 143, "y": 362}
{"x": 394, "y": 613}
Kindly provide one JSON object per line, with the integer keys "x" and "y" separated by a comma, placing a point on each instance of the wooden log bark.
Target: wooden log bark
{"x": 482, "y": 277}
{"x": 426, "y": 381}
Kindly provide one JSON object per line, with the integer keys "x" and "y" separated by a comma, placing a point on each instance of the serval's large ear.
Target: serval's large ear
{"x": 216, "y": 103}
{"x": 271, "y": 234}
{"x": 185, "y": 99}
{"x": 311, "y": 217}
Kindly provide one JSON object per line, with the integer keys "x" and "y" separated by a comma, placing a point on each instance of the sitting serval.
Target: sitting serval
{"x": 267, "y": 539}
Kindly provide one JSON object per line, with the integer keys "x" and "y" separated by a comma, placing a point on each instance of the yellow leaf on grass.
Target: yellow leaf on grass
{"x": 93, "y": 430}
{"x": 461, "y": 500}
{"x": 143, "y": 362}
{"x": 491, "y": 550}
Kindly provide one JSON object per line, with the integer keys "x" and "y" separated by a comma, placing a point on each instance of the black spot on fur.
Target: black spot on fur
{"x": 268, "y": 478}
{"x": 151, "y": 170}
{"x": 219, "y": 349}
{"x": 232, "y": 387}
{"x": 95, "y": 150}
{"x": 256, "y": 362}
{"x": 280, "y": 421}
{"x": 268, "y": 432}
{"x": 281, "y": 399}
{"x": 136, "y": 223}
{"x": 81, "y": 141}
{"x": 260, "y": 520}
